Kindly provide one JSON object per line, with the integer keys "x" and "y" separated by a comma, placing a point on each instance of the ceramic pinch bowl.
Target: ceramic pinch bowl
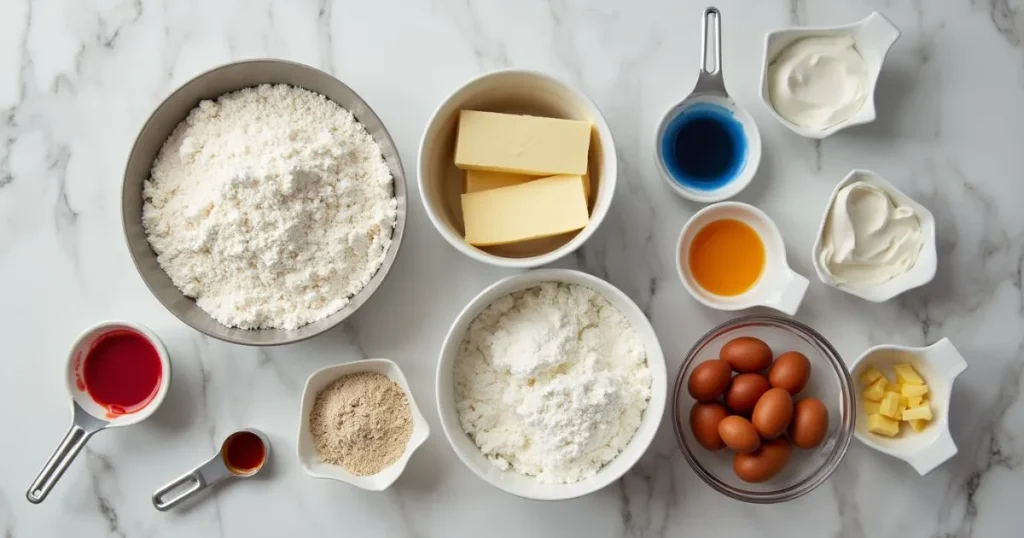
{"x": 735, "y": 148}
{"x": 306, "y": 450}
{"x": 778, "y": 286}
{"x": 920, "y": 274}
{"x": 939, "y": 364}
{"x": 873, "y": 37}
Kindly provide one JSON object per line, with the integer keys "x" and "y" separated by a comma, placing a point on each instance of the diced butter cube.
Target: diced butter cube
{"x": 914, "y": 401}
{"x": 528, "y": 145}
{"x": 876, "y": 390}
{"x": 871, "y": 375}
{"x": 482, "y": 180}
{"x": 541, "y": 208}
{"x": 923, "y": 411}
{"x": 890, "y": 406}
{"x": 906, "y": 375}
{"x": 914, "y": 390}
{"x": 918, "y": 424}
{"x": 892, "y": 387}
{"x": 870, "y": 408}
{"x": 883, "y": 425}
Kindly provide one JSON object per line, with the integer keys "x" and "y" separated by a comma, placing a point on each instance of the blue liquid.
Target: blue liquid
{"x": 704, "y": 147}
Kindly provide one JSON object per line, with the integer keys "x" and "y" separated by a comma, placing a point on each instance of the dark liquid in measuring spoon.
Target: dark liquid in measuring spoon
{"x": 122, "y": 372}
{"x": 704, "y": 147}
{"x": 245, "y": 452}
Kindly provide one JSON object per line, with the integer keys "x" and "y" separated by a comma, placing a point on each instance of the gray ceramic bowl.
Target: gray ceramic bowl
{"x": 170, "y": 113}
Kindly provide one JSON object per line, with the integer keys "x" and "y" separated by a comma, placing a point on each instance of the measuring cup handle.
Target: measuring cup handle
{"x": 194, "y": 481}
{"x": 66, "y": 451}
{"x": 710, "y": 79}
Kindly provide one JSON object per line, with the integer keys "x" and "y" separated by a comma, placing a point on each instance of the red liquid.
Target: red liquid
{"x": 122, "y": 372}
{"x": 245, "y": 453}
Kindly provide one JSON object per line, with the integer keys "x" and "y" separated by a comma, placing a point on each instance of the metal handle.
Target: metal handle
{"x": 710, "y": 80}
{"x": 69, "y": 447}
{"x": 197, "y": 480}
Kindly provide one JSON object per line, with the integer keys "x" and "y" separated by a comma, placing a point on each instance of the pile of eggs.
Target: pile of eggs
{"x": 755, "y": 413}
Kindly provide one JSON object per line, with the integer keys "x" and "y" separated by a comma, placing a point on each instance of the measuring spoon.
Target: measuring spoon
{"x": 716, "y": 161}
{"x": 87, "y": 415}
{"x": 241, "y": 455}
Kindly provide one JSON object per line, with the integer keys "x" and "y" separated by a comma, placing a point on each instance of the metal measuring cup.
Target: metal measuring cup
{"x": 87, "y": 416}
{"x": 709, "y": 91}
{"x": 214, "y": 470}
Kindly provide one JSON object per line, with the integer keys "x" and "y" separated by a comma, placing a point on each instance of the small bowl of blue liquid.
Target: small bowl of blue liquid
{"x": 708, "y": 148}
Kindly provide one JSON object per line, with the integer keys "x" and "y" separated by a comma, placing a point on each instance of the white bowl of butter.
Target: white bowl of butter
{"x": 874, "y": 241}
{"x": 817, "y": 81}
{"x": 506, "y": 179}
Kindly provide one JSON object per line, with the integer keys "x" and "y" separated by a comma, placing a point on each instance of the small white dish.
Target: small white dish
{"x": 511, "y": 91}
{"x": 939, "y": 364}
{"x": 920, "y": 274}
{"x": 523, "y": 485}
{"x": 306, "y": 450}
{"x": 873, "y": 37}
{"x": 709, "y": 98}
{"x": 779, "y": 287}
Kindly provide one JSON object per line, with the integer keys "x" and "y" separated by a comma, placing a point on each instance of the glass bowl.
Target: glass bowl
{"x": 830, "y": 382}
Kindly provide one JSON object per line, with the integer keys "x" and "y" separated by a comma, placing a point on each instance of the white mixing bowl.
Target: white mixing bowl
{"x": 511, "y": 481}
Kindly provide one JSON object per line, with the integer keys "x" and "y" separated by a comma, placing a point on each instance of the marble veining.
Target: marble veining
{"x": 80, "y": 78}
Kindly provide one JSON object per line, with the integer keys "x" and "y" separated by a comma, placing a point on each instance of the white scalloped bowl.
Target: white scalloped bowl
{"x": 920, "y": 274}
{"x": 306, "y": 451}
{"x": 939, "y": 364}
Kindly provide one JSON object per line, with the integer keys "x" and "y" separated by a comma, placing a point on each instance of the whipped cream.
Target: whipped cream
{"x": 818, "y": 82}
{"x": 868, "y": 237}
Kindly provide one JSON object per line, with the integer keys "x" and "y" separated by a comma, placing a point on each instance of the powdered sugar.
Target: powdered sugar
{"x": 271, "y": 206}
{"x": 552, "y": 382}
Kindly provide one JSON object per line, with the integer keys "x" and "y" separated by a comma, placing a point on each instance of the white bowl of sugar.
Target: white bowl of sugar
{"x": 533, "y": 487}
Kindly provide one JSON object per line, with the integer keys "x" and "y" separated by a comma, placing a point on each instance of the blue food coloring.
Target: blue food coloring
{"x": 704, "y": 147}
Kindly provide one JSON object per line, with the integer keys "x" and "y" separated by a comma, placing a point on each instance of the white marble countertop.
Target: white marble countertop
{"x": 77, "y": 79}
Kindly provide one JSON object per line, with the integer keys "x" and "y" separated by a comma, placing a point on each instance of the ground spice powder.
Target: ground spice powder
{"x": 362, "y": 422}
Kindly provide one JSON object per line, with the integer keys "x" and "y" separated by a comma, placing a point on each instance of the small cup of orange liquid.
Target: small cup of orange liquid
{"x": 730, "y": 256}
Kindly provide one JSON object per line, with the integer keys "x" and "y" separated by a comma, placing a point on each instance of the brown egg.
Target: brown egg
{"x": 739, "y": 434}
{"x": 704, "y": 420}
{"x": 762, "y": 464}
{"x": 790, "y": 371}
{"x": 746, "y": 354}
{"x": 810, "y": 423}
{"x": 772, "y": 413}
{"x": 709, "y": 380}
{"x": 744, "y": 392}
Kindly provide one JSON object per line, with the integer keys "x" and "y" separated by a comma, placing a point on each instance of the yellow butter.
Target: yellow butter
{"x": 527, "y": 145}
{"x": 890, "y": 405}
{"x": 906, "y": 375}
{"x": 483, "y": 180}
{"x": 918, "y": 424}
{"x": 871, "y": 408}
{"x": 914, "y": 401}
{"x": 871, "y": 375}
{"x": 540, "y": 208}
{"x": 923, "y": 412}
{"x": 914, "y": 390}
{"x": 883, "y": 425}
{"x": 876, "y": 390}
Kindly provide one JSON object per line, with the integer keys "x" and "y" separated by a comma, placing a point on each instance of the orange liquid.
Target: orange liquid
{"x": 726, "y": 257}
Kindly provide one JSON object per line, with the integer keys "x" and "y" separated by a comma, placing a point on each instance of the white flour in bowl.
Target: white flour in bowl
{"x": 271, "y": 206}
{"x": 551, "y": 382}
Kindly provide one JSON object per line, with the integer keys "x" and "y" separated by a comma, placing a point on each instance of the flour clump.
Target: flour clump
{"x": 551, "y": 382}
{"x": 271, "y": 206}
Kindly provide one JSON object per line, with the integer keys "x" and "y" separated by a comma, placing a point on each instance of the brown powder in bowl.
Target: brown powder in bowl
{"x": 362, "y": 422}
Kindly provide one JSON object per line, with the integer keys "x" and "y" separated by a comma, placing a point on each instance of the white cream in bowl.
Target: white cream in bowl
{"x": 869, "y": 236}
{"x": 819, "y": 82}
